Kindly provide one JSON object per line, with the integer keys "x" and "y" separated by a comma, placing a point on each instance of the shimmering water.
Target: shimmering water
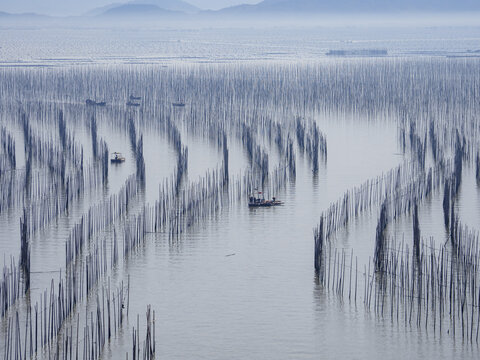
{"x": 57, "y": 46}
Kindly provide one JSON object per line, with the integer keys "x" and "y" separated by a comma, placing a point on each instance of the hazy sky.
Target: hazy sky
{"x": 74, "y": 7}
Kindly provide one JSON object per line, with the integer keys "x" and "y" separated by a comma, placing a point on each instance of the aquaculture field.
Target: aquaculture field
{"x": 374, "y": 252}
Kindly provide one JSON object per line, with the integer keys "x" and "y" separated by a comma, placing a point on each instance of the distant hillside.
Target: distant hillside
{"x": 138, "y": 10}
{"x": 137, "y": 6}
{"x": 100, "y": 10}
{"x": 23, "y": 15}
{"x": 349, "y": 6}
{"x": 173, "y": 5}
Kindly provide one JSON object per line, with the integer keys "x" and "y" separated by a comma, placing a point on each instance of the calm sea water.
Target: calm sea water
{"x": 59, "y": 46}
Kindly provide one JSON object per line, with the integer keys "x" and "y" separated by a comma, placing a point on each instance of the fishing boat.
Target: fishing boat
{"x": 131, "y": 103}
{"x": 117, "y": 158}
{"x": 91, "y": 102}
{"x": 256, "y": 200}
{"x": 178, "y": 104}
{"x": 133, "y": 98}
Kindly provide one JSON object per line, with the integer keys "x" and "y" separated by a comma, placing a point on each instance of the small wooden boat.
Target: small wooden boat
{"x": 91, "y": 102}
{"x": 178, "y": 104}
{"x": 117, "y": 158}
{"x": 131, "y": 103}
{"x": 257, "y": 201}
{"x": 133, "y": 97}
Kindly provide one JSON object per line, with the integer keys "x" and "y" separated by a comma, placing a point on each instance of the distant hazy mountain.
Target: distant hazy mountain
{"x": 138, "y": 10}
{"x": 102, "y": 9}
{"x": 139, "y": 6}
{"x": 173, "y": 5}
{"x": 342, "y": 6}
{"x": 6, "y": 15}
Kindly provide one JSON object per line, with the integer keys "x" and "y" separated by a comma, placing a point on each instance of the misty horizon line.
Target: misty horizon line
{"x": 281, "y": 8}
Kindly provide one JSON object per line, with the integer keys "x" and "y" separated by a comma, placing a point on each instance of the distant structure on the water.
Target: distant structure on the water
{"x": 358, "y": 52}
